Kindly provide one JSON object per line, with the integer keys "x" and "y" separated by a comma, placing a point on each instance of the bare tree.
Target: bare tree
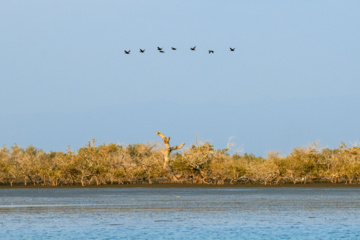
{"x": 168, "y": 150}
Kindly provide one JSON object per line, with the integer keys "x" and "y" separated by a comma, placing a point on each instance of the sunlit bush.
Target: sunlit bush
{"x": 200, "y": 163}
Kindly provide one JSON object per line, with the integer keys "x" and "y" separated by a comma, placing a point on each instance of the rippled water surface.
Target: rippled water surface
{"x": 180, "y": 213}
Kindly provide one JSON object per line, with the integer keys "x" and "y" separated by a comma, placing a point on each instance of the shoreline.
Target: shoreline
{"x": 181, "y": 185}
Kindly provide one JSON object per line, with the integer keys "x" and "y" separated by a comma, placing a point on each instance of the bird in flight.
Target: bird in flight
{"x": 161, "y": 51}
{"x": 193, "y": 49}
{"x": 127, "y": 52}
{"x": 173, "y": 48}
{"x": 232, "y": 49}
{"x": 142, "y": 50}
{"x": 159, "y": 48}
{"x": 211, "y": 51}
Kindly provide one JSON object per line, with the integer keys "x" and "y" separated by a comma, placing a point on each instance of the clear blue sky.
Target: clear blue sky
{"x": 293, "y": 79}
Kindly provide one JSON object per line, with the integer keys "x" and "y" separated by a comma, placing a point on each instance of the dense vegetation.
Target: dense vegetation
{"x": 201, "y": 163}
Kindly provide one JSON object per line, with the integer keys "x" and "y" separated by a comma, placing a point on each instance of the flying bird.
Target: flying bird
{"x": 161, "y": 51}
{"x": 232, "y": 49}
{"x": 211, "y": 51}
{"x": 142, "y": 50}
{"x": 173, "y": 48}
{"x": 193, "y": 49}
{"x": 127, "y": 52}
{"x": 159, "y": 48}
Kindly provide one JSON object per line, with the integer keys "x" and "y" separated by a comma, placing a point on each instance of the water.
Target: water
{"x": 180, "y": 213}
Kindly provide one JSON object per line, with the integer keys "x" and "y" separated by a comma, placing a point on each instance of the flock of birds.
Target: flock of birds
{"x": 174, "y": 49}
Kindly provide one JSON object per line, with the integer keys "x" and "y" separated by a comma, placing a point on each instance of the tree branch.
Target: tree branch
{"x": 177, "y": 147}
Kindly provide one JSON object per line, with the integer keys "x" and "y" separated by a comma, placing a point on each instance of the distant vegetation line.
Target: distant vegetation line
{"x": 200, "y": 163}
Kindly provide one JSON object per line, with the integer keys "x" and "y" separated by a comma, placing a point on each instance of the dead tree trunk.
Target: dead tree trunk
{"x": 168, "y": 150}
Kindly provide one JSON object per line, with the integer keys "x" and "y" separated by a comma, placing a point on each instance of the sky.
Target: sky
{"x": 292, "y": 80}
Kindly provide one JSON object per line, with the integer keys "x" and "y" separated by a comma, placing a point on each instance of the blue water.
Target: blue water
{"x": 180, "y": 213}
